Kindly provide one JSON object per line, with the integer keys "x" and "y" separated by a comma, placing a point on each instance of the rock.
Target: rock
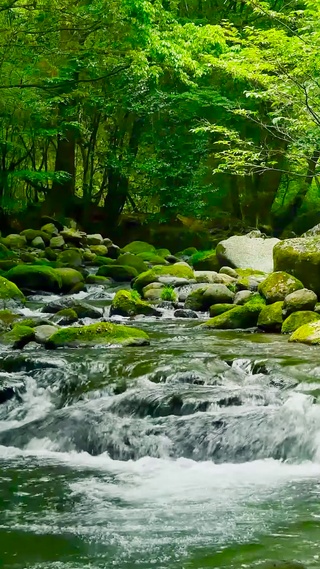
{"x": 277, "y": 286}
{"x": 97, "y": 334}
{"x": 154, "y": 294}
{"x": 238, "y": 317}
{"x": 9, "y": 291}
{"x": 14, "y": 241}
{"x": 32, "y": 234}
{"x": 33, "y": 277}
{"x": 209, "y": 277}
{"x": 301, "y": 258}
{"x": 217, "y": 294}
{"x": 50, "y": 254}
{"x": 50, "y": 229}
{"x": 313, "y": 232}
{"x": 302, "y": 299}
{"x": 172, "y": 259}
{"x": 18, "y": 337}
{"x": 247, "y": 283}
{"x": 57, "y": 242}
{"x": 96, "y": 279}
{"x": 153, "y": 286}
{"x": 100, "y": 261}
{"x": 171, "y": 281}
{"x": 73, "y": 236}
{"x": 163, "y": 253}
{"x": 271, "y": 318}
{"x": 65, "y": 316}
{"x": 7, "y": 318}
{"x": 43, "y": 333}
{"x": 298, "y": 319}
{"x": 70, "y": 258}
{"x": 317, "y": 308}
{"x": 10, "y": 388}
{"x": 5, "y": 253}
{"x": 229, "y": 271}
{"x": 242, "y": 297}
{"x": 114, "y": 251}
{"x": 34, "y": 321}
{"x": 128, "y": 303}
{"x": 95, "y": 239}
{"x": 307, "y": 334}
{"x": 138, "y": 247}
{"x": 247, "y": 252}
{"x": 82, "y": 309}
{"x": 217, "y": 309}
{"x": 38, "y": 243}
{"x": 182, "y": 313}
{"x": 153, "y": 275}
{"x": 130, "y": 260}
{"x": 207, "y": 262}
{"x": 152, "y": 258}
{"x": 69, "y": 278}
{"x": 107, "y": 242}
{"x": 100, "y": 250}
{"x": 119, "y": 273}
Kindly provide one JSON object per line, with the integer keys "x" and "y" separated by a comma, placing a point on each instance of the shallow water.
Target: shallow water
{"x": 202, "y": 450}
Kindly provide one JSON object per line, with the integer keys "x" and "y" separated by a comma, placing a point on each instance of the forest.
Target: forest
{"x": 203, "y": 109}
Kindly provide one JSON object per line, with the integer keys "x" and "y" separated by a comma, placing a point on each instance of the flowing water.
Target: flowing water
{"x": 202, "y": 450}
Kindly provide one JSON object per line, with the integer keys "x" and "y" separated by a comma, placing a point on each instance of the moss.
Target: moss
{"x": 245, "y": 316}
{"x": 69, "y": 278}
{"x": 130, "y": 260}
{"x": 278, "y": 285}
{"x": 99, "y": 250}
{"x": 8, "y": 264}
{"x": 205, "y": 261}
{"x": 217, "y": 309}
{"x": 14, "y": 241}
{"x": 152, "y": 258}
{"x": 68, "y": 315}
{"x": 138, "y": 247}
{"x": 270, "y": 318}
{"x": 7, "y": 318}
{"x": 18, "y": 337}
{"x": 96, "y": 279}
{"x": 101, "y": 333}
{"x": 119, "y": 273}
{"x": 163, "y": 252}
{"x": 301, "y": 258}
{"x": 307, "y": 334}
{"x": 9, "y": 290}
{"x": 100, "y": 261}
{"x": 51, "y": 254}
{"x": 31, "y": 234}
{"x": 189, "y": 251}
{"x": 128, "y": 303}
{"x": 70, "y": 258}
{"x": 5, "y": 253}
{"x": 44, "y": 263}
{"x": 151, "y": 276}
{"x": 250, "y": 273}
{"x": 298, "y": 319}
{"x": 35, "y": 278}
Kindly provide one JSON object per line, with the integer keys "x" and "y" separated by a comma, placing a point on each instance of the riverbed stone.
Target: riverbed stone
{"x": 10, "y": 291}
{"x": 128, "y": 303}
{"x": 130, "y": 260}
{"x": 57, "y": 242}
{"x": 209, "y": 277}
{"x": 18, "y": 337}
{"x": 301, "y": 258}
{"x": 98, "y": 334}
{"x": 70, "y": 258}
{"x": 151, "y": 258}
{"x": 241, "y": 317}
{"x": 177, "y": 271}
{"x": 95, "y": 239}
{"x": 65, "y": 317}
{"x": 229, "y": 271}
{"x": 35, "y": 277}
{"x": 183, "y": 313}
{"x": 307, "y": 334}
{"x": 139, "y": 247}
{"x": 302, "y": 299}
{"x": 38, "y": 243}
{"x": 42, "y": 333}
{"x": 217, "y": 309}
{"x": 69, "y": 278}
{"x": 217, "y": 294}
{"x": 114, "y": 251}
{"x": 278, "y": 285}
{"x": 242, "y": 297}
{"x": 50, "y": 229}
{"x": 14, "y": 241}
{"x": 119, "y": 273}
{"x": 298, "y": 319}
{"x": 247, "y": 252}
{"x": 82, "y": 309}
{"x": 271, "y": 317}
{"x": 100, "y": 250}
{"x": 73, "y": 236}
{"x": 207, "y": 262}
{"x": 31, "y": 234}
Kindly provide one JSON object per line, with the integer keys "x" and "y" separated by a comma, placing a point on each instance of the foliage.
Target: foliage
{"x": 168, "y": 294}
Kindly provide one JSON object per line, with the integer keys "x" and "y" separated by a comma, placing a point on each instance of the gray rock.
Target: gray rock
{"x": 169, "y": 280}
{"x": 302, "y": 299}
{"x": 38, "y": 243}
{"x": 95, "y": 239}
{"x": 82, "y": 309}
{"x": 242, "y": 297}
{"x": 313, "y": 232}
{"x": 152, "y": 294}
{"x": 247, "y": 252}
{"x": 229, "y": 271}
{"x": 206, "y": 276}
{"x": 181, "y": 313}
{"x": 57, "y": 242}
{"x": 184, "y": 291}
{"x": 217, "y": 294}
{"x": 43, "y": 333}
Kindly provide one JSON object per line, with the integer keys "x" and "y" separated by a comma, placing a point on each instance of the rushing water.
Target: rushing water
{"x": 202, "y": 450}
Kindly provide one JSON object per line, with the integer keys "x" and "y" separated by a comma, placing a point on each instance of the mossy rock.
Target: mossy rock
{"x": 69, "y": 278}
{"x": 71, "y": 257}
{"x": 96, "y": 279}
{"x": 57, "y": 242}
{"x": 127, "y": 303}
{"x": 100, "y": 250}
{"x": 31, "y": 234}
{"x": 152, "y": 258}
{"x": 298, "y": 300}
{"x": 202, "y": 298}
{"x": 119, "y": 273}
{"x": 100, "y": 261}
{"x": 7, "y": 318}
{"x": 250, "y": 273}
{"x": 217, "y": 309}
{"x": 270, "y": 318}
{"x": 45, "y": 263}
{"x": 163, "y": 253}
{"x": 130, "y": 260}
{"x": 277, "y": 286}
{"x": 14, "y": 241}
{"x": 178, "y": 270}
{"x": 35, "y": 278}
{"x": 50, "y": 254}
{"x": 298, "y": 319}
{"x": 9, "y": 290}
{"x": 8, "y": 264}
{"x": 66, "y": 316}
{"x": 188, "y": 252}
{"x": 301, "y": 258}
{"x": 18, "y": 337}
{"x": 137, "y": 247}
{"x": 33, "y": 322}
{"x": 50, "y": 229}
{"x": 239, "y": 317}
{"x": 5, "y": 253}
{"x": 82, "y": 309}
{"x": 97, "y": 334}
{"x": 205, "y": 261}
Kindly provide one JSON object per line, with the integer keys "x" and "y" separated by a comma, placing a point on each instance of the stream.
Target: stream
{"x": 201, "y": 450}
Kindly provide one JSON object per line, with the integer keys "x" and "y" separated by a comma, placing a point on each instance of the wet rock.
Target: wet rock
{"x": 96, "y": 279}
{"x": 14, "y": 241}
{"x": 35, "y": 277}
{"x": 100, "y": 250}
{"x": 271, "y": 317}
{"x": 153, "y": 294}
{"x": 82, "y": 309}
{"x": 38, "y": 243}
{"x": 302, "y": 299}
{"x": 229, "y": 271}
{"x": 114, "y": 251}
{"x": 98, "y": 334}
{"x": 151, "y": 259}
{"x": 50, "y": 229}
{"x": 247, "y": 252}
{"x": 238, "y": 317}
{"x": 126, "y": 303}
{"x": 278, "y": 285}
{"x": 7, "y": 318}
{"x": 208, "y": 262}
{"x": 43, "y": 333}
{"x": 73, "y": 236}
{"x": 10, "y": 388}
{"x": 18, "y": 337}
{"x": 298, "y": 319}
{"x": 182, "y": 313}
{"x": 202, "y": 298}
{"x": 65, "y": 317}
{"x": 209, "y": 277}
{"x": 217, "y": 309}
{"x": 9, "y": 291}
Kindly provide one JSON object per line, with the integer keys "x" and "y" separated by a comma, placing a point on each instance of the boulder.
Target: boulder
{"x": 152, "y": 258}
{"x": 114, "y": 251}
{"x": 14, "y": 241}
{"x": 65, "y": 316}
{"x": 128, "y": 303}
{"x": 242, "y": 297}
{"x": 307, "y": 334}
{"x": 301, "y": 258}
{"x": 138, "y": 247}
{"x": 206, "y": 261}
{"x": 163, "y": 253}
{"x": 98, "y": 334}
{"x": 100, "y": 250}
{"x": 6, "y": 254}
{"x": 202, "y": 298}
{"x": 57, "y": 242}
{"x": 159, "y": 271}
{"x": 97, "y": 279}
{"x": 242, "y": 317}
{"x": 34, "y": 277}
{"x": 247, "y": 252}
{"x": 18, "y": 337}
{"x": 73, "y": 236}
{"x": 50, "y": 229}
{"x": 70, "y": 258}
{"x": 82, "y": 309}
{"x": 130, "y": 260}
{"x": 271, "y": 318}
{"x": 7, "y": 319}
{"x": 209, "y": 277}
{"x": 43, "y": 333}
{"x": 217, "y": 309}
{"x": 313, "y": 232}
{"x": 119, "y": 273}
{"x": 69, "y": 278}
{"x": 298, "y": 319}
{"x": 38, "y": 243}
{"x": 31, "y": 234}
{"x": 302, "y": 299}
{"x": 182, "y": 313}
{"x": 278, "y": 285}
{"x": 95, "y": 239}
{"x": 153, "y": 294}
{"x": 229, "y": 271}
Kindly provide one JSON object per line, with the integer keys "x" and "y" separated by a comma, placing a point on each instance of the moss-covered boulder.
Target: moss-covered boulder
{"x": 100, "y": 261}
{"x": 8, "y": 264}
{"x": 243, "y": 296}
{"x": 130, "y": 260}
{"x": 100, "y": 250}
{"x": 302, "y": 299}
{"x": 136, "y": 247}
{"x": 43, "y": 332}
{"x": 180, "y": 271}
{"x": 70, "y": 258}
{"x": 152, "y": 258}
{"x": 34, "y": 277}
{"x": 82, "y": 309}
{"x": 50, "y": 229}
{"x": 65, "y": 316}
{"x": 298, "y": 319}
{"x": 31, "y": 234}
{"x": 98, "y": 334}
{"x": 270, "y": 318}
{"x": 14, "y": 241}
{"x": 18, "y": 337}
{"x": 128, "y": 303}
{"x": 5, "y": 253}
{"x": 205, "y": 261}
{"x": 163, "y": 253}
{"x": 307, "y": 334}
{"x": 277, "y": 286}
{"x": 71, "y": 235}
{"x": 97, "y": 279}
{"x": 69, "y": 278}
{"x": 217, "y": 309}
{"x": 119, "y": 273}
{"x": 242, "y": 317}
{"x": 203, "y": 298}
{"x": 94, "y": 239}
{"x": 9, "y": 291}
{"x": 301, "y": 258}
{"x": 57, "y": 242}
